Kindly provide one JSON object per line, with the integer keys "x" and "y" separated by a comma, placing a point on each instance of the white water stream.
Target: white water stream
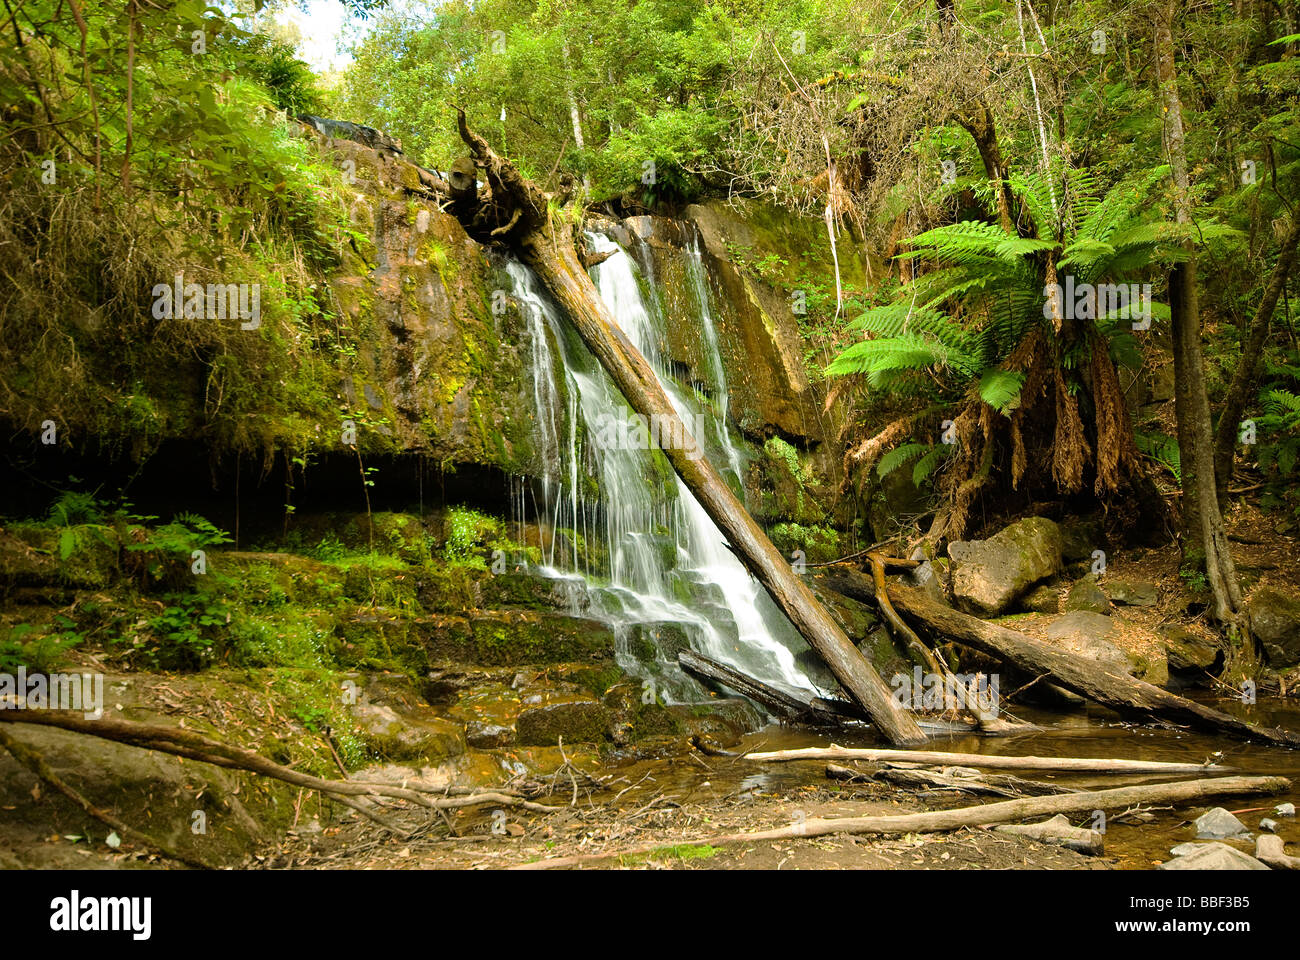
{"x": 668, "y": 571}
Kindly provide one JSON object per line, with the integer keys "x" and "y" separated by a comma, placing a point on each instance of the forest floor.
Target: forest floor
{"x": 668, "y": 823}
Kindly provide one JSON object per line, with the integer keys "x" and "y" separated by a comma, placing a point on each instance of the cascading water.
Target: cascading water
{"x": 667, "y": 575}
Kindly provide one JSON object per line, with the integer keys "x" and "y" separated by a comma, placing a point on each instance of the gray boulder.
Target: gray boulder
{"x": 1219, "y": 824}
{"x": 1213, "y": 856}
{"x": 989, "y": 575}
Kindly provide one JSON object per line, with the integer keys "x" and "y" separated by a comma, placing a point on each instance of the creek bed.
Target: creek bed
{"x": 1091, "y": 732}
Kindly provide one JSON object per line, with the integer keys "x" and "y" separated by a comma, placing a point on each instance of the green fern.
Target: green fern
{"x": 1163, "y": 450}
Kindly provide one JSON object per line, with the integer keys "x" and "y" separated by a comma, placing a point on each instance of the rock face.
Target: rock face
{"x": 989, "y": 575}
{"x": 1275, "y": 620}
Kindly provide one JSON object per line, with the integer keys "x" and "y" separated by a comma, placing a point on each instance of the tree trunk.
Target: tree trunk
{"x": 545, "y": 239}
{"x": 987, "y": 761}
{"x": 1205, "y": 539}
{"x": 1244, "y": 377}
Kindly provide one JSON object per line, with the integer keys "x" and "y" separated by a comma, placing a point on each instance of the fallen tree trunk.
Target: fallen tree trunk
{"x": 520, "y": 213}
{"x": 939, "y": 821}
{"x": 1088, "y": 678}
{"x": 992, "y": 784}
{"x": 936, "y": 759}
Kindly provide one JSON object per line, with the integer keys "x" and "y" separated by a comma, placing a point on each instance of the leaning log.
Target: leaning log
{"x": 784, "y": 705}
{"x": 939, "y": 821}
{"x": 936, "y": 758}
{"x": 524, "y": 216}
{"x": 1088, "y": 678}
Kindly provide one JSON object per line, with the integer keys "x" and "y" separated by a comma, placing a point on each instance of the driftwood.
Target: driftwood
{"x": 355, "y": 794}
{"x": 948, "y": 778}
{"x": 939, "y": 821}
{"x": 1061, "y": 833}
{"x": 545, "y": 239}
{"x": 937, "y": 759}
{"x": 1122, "y": 693}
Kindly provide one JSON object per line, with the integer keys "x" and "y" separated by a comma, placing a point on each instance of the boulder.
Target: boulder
{"x": 1213, "y": 856}
{"x": 1188, "y": 652}
{"x": 1131, "y": 593}
{"x": 1219, "y": 824}
{"x": 928, "y": 576}
{"x": 1275, "y": 621}
{"x": 1045, "y": 598}
{"x": 1079, "y": 538}
{"x": 575, "y": 717}
{"x": 1088, "y": 635}
{"x": 989, "y": 575}
{"x": 403, "y": 736}
{"x": 1087, "y": 595}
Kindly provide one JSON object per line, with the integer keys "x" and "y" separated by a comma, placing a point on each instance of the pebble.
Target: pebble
{"x": 1269, "y": 825}
{"x": 1285, "y": 809}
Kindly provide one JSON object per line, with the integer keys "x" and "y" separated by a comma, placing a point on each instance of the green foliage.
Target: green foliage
{"x": 44, "y": 651}
{"x": 469, "y": 534}
{"x": 960, "y": 322}
{"x": 1163, "y": 450}
{"x": 209, "y": 185}
{"x": 1277, "y": 449}
{"x": 272, "y": 64}
{"x": 184, "y": 636}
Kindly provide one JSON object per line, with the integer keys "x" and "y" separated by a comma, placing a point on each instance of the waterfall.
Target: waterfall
{"x": 667, "y": 576}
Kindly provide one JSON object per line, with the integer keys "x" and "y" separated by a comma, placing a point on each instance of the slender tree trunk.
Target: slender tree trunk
{"x": 1247, "y": 372}
{"x": 1205, "y": 538}
{"x": 575, "y": 115}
